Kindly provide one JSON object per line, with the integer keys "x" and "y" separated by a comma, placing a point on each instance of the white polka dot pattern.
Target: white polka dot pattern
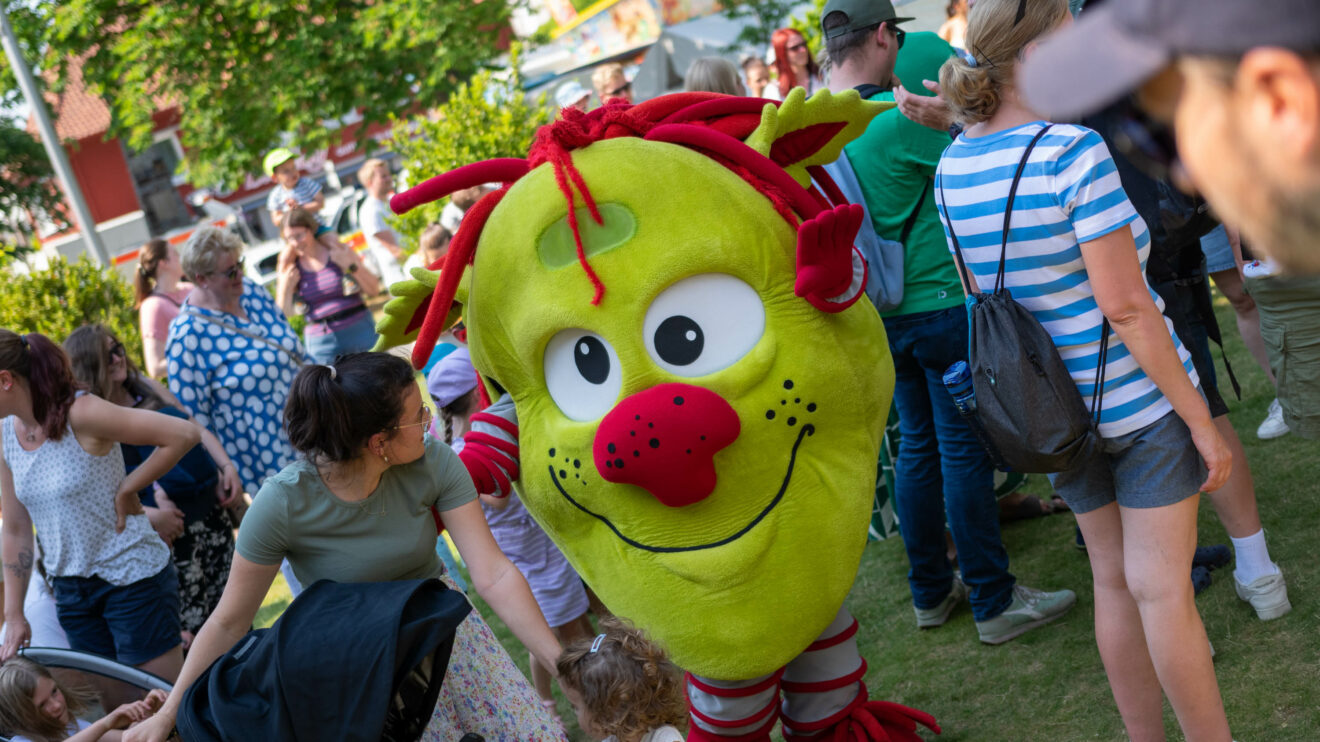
{"x": 70, "y": 495}
{"x": 236, "y": 385}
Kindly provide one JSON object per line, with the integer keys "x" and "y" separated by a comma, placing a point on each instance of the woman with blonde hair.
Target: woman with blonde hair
{"x": 1072, "y": 251}
{"x": 159, "y": 291}
{"x": 713, "y": 75}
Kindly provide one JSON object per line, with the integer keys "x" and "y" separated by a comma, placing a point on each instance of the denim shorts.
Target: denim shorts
{"x": 132, "y": 623}
{"x": 1152, "y": 467}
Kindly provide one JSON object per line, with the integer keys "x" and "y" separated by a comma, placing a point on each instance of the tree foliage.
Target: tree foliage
{"x": 809, "y": 26}
{"x": 246, "y": 72}
{"x": 25, "y": 186}
{"x": 66, "y": 296}
{"x": 483, "y": 119}
{"x": 767, "y": 16}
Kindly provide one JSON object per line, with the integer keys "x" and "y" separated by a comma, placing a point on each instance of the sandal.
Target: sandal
{"x": 1212, "y": 557}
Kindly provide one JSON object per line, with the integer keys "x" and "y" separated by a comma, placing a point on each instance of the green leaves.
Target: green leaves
{"x": 246, "y": 73}
{"x": 66, "y": 296}
{"x": 26, "y": 185}
{"x": 483, "y": 119}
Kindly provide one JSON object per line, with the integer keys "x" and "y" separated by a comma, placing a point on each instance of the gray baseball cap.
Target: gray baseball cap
{"x": 1117, "y": 47}
{"x": 861, "y": 14}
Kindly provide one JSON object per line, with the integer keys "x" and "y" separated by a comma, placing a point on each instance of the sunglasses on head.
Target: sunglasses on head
{"x": 231, "y": 272}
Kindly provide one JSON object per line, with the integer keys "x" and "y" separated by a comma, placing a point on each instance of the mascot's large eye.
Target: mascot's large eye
{"x": 582, "y": 374}
{"x": 703, "y": 324}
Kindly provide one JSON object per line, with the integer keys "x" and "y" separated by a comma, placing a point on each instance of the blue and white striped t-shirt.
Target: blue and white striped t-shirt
{"x": 303, "y": 192}
{"x": 1069, "y": 194}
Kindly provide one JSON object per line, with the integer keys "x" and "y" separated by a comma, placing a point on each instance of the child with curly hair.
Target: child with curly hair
{"x": 623, "y": 687}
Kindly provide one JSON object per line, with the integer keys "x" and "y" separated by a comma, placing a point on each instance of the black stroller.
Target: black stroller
{"x": 360, "y": 661}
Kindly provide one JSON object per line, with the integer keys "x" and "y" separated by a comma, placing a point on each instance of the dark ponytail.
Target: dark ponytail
{"x": 50, "y": 380}
{"x": 144, "y": 278}
{"x": 333, "y": 411}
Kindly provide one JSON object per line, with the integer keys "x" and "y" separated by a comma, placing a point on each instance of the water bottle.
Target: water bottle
{"x": 958, "y": 380}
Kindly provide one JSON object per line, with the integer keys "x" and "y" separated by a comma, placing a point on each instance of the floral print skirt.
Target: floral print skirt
{"x": 484, "y": 692}
{"x": 202, "y": 556}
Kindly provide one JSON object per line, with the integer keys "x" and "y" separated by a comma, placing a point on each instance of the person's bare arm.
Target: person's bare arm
{"x": 500, "y": 583}
{"x": 391, "y": 242}
{"x": 17, "y": 555}
{"x": 930, "y": 111}
{"x": 1122, "y": 295}
{"x": 96, "y": 421}
{"x": 247, "y": 587}
{"x": 286, "y": 282}
{"x": 316, "y": 203}
{"x": 230, "y": 486}
{"x": 351, "y": 264}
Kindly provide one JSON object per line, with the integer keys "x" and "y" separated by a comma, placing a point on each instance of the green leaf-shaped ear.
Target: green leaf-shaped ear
{"x": 404, "y": 313}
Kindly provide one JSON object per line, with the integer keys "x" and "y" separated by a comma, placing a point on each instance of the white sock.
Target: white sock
{"x": 1253, "y": 558}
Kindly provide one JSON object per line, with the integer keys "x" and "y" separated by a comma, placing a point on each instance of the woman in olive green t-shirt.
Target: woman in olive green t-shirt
{"x": 357, "y": 508}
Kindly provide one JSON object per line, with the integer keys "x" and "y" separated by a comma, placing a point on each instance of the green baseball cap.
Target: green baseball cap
{"x": 275, "y": 158}
{"x": 861, "y": 14}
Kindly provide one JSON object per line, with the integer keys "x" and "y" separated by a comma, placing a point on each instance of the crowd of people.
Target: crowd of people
{"x": 127, "y": 532}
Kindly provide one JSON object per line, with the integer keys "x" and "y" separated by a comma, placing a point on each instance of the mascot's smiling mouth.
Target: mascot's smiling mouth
{"x": 803, "y": 432}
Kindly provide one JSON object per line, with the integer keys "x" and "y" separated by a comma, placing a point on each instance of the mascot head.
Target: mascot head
{"x": 698, "y": 438}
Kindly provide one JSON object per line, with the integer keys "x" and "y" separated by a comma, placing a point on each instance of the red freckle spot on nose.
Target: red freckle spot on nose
{"x": 688, "y": 425}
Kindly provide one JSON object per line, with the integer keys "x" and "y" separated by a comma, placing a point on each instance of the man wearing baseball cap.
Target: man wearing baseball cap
{"x": 1240, "y": 84}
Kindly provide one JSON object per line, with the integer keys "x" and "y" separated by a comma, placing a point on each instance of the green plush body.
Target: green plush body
{"x": 746, "y": 607}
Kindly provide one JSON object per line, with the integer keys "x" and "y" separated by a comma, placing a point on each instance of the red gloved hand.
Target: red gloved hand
{"x": 825, "y": 257}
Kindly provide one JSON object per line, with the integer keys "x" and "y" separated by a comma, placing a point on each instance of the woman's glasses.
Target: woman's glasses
{"x": 231, "y": 272}
{"x": 798, "y": 46}
{"x": 117, "y": 350}
{"x": 425, "y": 420}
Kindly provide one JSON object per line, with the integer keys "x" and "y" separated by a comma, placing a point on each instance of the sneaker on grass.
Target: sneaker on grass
{"x": 1273, "y": 426}
{"x": 929, "y": 618}
{"x": 1030, "y": 608}
{"x": 1268, "y": 595}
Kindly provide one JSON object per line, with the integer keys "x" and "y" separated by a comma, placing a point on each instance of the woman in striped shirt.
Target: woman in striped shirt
{"x": 338, "y": 322}
{"x": 1075, "y": 255}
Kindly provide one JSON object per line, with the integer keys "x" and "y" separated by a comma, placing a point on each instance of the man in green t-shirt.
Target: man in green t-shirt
{"x": 941, "y": 472}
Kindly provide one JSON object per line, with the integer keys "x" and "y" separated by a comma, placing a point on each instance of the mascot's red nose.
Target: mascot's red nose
{"x": 664, "y": 440}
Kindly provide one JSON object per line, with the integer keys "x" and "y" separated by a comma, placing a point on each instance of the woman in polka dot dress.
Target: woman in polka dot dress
{"x": 232, "y": 357}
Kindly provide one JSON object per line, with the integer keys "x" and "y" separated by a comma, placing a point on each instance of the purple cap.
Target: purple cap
{"x": 451, "y": 377}
{"x": 1117, "y": 47}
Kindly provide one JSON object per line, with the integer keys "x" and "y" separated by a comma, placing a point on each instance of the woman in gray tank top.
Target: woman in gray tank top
{"x": 62, "y": 470}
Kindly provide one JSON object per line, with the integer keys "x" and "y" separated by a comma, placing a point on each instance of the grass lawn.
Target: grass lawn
{"x": 1049, "y": 684}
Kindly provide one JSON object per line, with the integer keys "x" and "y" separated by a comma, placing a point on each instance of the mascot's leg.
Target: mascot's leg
{"x": 825, "y": 698}
{"x": 733, "y": 711}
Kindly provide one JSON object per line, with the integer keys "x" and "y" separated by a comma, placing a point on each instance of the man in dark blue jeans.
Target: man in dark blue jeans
{"x": 941, "y": 472}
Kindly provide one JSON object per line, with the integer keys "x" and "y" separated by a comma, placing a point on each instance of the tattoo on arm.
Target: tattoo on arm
{"x": 21, "y": 569}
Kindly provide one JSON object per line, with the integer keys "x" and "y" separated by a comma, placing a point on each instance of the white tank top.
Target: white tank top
{"x": 70, "y": 495}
